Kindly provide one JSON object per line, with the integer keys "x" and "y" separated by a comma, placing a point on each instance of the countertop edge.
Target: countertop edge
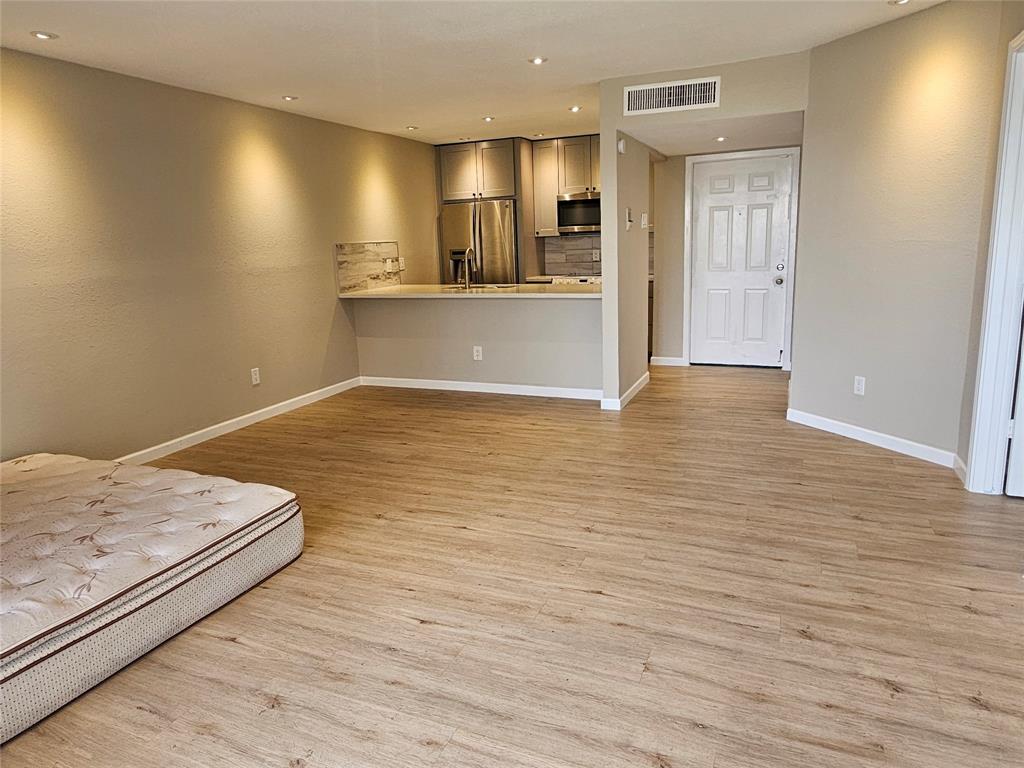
{"x": 532, "y": 292}
{"x": 544, "y": 296}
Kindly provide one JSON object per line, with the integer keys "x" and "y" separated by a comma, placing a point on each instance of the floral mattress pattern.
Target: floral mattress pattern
{"x": 77, "y": 533}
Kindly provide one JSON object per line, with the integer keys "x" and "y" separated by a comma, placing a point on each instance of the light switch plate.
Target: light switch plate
{"x": 401, "y": 263}
{"x": 595, "y": 254}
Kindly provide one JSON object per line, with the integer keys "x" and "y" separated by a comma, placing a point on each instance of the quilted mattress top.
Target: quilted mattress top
{"x": 76, "y": 533}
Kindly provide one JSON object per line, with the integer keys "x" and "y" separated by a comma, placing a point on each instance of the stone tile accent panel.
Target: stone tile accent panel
{"x": 367, "y": 265}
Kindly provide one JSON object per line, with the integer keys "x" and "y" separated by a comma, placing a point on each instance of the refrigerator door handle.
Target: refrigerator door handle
{"x": 478, "y": 236}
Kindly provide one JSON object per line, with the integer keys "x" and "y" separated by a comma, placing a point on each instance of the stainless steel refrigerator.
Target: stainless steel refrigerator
{"x": 479, "y": 236}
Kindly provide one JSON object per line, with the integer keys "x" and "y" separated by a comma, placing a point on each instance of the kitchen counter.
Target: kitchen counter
{"x": 531, "y": 291}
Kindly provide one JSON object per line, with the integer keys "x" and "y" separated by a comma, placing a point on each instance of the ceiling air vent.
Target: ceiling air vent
{"x": 671, "y": 97}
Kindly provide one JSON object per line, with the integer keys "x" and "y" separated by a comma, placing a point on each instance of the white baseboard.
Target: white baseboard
{"x": 208, "y": 433}
{"x": 960, "y": 468}
{"x": 882, "y": 440}
{"x": 529, "y": 390}
{"x": 618, "y": 403}
{"x": 669, "y": 361}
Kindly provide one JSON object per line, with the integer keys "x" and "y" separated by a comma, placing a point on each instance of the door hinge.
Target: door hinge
{"x": 1009, "y": 431}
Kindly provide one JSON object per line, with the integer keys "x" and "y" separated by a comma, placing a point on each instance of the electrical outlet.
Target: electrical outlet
{"x": 858, "y": 385}
{"x": 595, "y": 254}
{"x": 255, "y": 375}
{"x": 401, "y": 263}
{"x": 478, "y": 353}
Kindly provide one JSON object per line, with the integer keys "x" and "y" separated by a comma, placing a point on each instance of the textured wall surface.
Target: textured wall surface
{"x": 545, "y": 342}
{"x": 158, "y": 243}
{"x": 897, "y": 168}
{"x": 668, "y": 260}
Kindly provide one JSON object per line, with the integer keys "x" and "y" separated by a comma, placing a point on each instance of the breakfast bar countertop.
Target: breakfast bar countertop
{"x": 529, "y": 291}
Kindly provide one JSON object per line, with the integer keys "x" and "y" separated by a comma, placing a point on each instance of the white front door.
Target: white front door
{"x": 740, "y": 254}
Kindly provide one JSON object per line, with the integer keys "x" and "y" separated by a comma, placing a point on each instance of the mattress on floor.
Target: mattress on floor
{"x": 101, "y": 561}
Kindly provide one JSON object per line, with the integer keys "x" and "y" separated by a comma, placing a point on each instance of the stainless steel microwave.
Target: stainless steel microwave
{"x": 579, "y": 213}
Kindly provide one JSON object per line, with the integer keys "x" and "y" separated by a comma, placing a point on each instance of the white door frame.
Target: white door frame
{"x": 794, "y": 198}
{"x": 985, "y": 471}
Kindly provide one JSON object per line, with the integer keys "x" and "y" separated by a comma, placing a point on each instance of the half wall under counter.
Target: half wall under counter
{"x": 545, "y": 342}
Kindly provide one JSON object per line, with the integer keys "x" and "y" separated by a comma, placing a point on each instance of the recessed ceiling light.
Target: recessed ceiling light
{"x": 412, "y": 127}
{"x": 537, "y": 135}
{"x": 898, "y": 2}
{"x": 720, "y": 138}
{"x": 538, "y": 60}
{"x": 464, "y": 138}
{"x": 575, "y": 108}
{"x": 290, "y": 98}
{"x": 488, "y": 119}
{"x": 44, "y": 35}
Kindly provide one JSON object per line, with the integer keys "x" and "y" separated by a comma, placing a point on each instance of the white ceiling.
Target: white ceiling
{"x": 439, "y": 65}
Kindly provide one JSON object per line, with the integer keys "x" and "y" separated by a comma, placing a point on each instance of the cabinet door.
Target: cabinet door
{"x": 458, "y": 172}
{"x": 574, "y": 165}
{"x": 595, "y": 163}
{"x": 545, "y": 187}
{"x": 495, "y": 168}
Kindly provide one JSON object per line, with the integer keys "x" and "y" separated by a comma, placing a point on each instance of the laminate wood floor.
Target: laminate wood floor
{"x": 513, "y": 582}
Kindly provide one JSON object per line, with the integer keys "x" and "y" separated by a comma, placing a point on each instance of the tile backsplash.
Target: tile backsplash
{"x": 572, "y": 255}
{"x": 367, "y": 265}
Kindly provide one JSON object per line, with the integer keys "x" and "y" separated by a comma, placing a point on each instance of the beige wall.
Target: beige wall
{"x": 1011, "y": 25}
{"x": 543, "y": 342}
{"x": 897, "y": 168}
{"x": 625, "y": 183}
{"x": 632, "y": 261}
{"x": 755, "y": 87}
{"x": 158, "y": 243}
{"x": 668, "y": 257}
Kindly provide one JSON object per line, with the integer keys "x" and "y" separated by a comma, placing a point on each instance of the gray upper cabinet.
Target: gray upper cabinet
{"x": 458, "y": 172}
{"x": 545, "y": 187}
{"x": 477, "y": 170}
{"x": 495, "y": 169}
{"x": 562, "y": 167}
{"x": 574, "y": 165}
